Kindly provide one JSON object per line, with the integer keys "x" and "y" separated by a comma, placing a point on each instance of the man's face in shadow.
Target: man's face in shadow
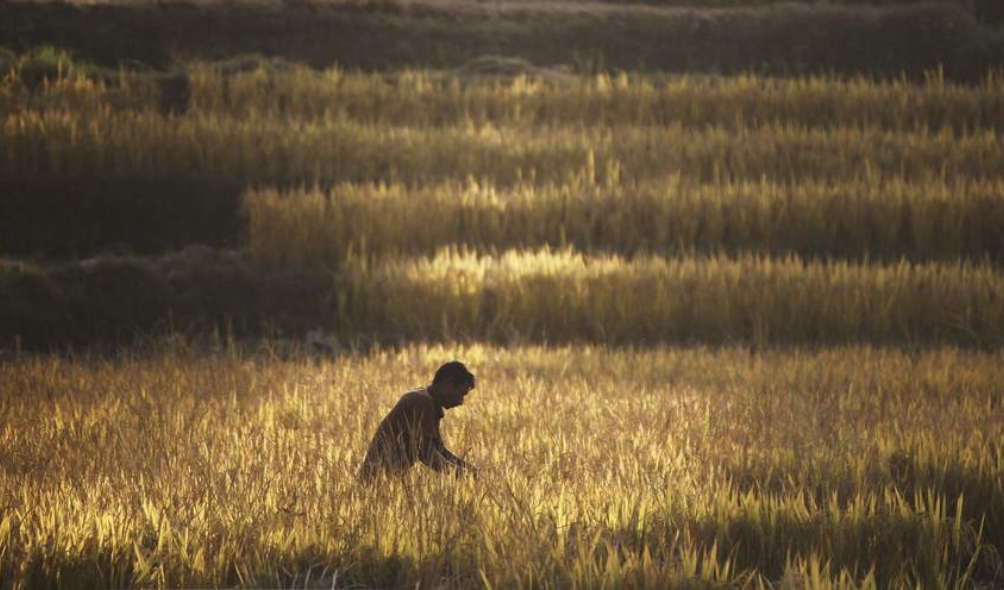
{"x": 452, "y": 394}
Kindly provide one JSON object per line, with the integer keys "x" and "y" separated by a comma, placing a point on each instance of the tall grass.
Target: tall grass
{"x": 538, "y": 96}
{"x": 296, "y": 125}
{"x": 703, "y": 209}
{"x": 553, "y": 97}
{"x": 74, "y": 145}
{"x": 515, "y": 296}
{"x": 560, "y": 296}
{"x": 841, "y": 469}
{"x": 619, "y": 210}
{"x": 854, "y": 219}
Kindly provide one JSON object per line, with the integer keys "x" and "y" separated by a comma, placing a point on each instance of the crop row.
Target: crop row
{"x": 104, "y": 143}
{"x": 520, "y": 295}
{"x": 856, "y": 219}
{"x": 536, "y": 97}
{"x": 561, "y": 295}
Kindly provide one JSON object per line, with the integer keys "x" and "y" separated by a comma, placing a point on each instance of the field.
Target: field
{"x": 699, "y": 468}
{"x": 737, "y": 331}
{"x": 544, "y": 206}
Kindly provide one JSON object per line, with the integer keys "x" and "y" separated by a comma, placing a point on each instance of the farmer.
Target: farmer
{"x": 411, "y": 430}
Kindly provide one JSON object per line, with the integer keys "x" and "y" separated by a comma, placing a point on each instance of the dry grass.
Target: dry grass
{"x": 860, "y": 219}
{"x": 528, "y": 95}
{"x": 555, "y": 98}
{"x": 719, "y": 210}
{"x": 709, "y": 209}
{"x": 302, "y": 126}
{"x": 844, "y": 468}
{"x": 559, "y": 296}
{"x": 75, "y": 144}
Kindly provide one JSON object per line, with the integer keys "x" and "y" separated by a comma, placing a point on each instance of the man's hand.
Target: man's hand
{"x": 463, "y": 468}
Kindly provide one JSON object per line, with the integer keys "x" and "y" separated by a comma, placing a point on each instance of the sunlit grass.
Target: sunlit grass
{"x": 74, "y": 144}
{"x": 297, "y": 125}
{"x": 623, "y": 210}
{"x": 552, "y": 97}
{"x": 862, "y": 218}
{"x": 548, "y": 295}
{"x": 547, "y": 97}
{"x": 696, "y": 467}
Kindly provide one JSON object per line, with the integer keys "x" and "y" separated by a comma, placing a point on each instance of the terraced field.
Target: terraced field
{"x": 649, "y": 209}
{"x": 737, "y": 332}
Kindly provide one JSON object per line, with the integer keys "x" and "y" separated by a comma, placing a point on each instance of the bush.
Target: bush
{"x": 47, "y": 63}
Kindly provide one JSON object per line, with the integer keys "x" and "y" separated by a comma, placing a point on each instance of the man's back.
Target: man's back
{"x": 408, "y": 433}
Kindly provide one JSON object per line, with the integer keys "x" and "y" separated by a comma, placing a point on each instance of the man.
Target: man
{"x": 411, "y": 430}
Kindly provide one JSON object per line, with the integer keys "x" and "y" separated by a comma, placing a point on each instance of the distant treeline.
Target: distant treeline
{"x": 886, "y": 40}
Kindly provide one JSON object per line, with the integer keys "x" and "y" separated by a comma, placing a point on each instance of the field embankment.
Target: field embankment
{"x": 119, "y": 300}
{"x": 65, "y": 219}
{"x": 885, "y": 40}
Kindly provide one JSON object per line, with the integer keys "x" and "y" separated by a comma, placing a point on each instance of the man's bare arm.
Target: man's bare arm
{"x": 433, "y": 452}
{"x": 457, "y": 463}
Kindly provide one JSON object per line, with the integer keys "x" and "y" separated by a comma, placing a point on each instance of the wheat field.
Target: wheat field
{"x": 859, "y": 219}
{"x": 665, "y": 467}
{"x": 729, "y": 332}
{"x": 307, "y": 127}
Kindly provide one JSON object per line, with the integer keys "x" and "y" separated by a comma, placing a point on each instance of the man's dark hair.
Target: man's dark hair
{"x": 454, "y": 372}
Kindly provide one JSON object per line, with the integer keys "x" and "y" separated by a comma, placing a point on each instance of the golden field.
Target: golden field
{"x": 328, "y": 127}
{"x": 802, "y": 210}
{"x": 77, "y": 144}
{"x": 861, "y": 219}
{"x": 665, "y": 467}
{"x": 838, "y": 242}
{"x": 549, "y": 296}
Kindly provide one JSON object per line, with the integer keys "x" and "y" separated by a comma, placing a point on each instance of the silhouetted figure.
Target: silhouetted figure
{"x": 410, "y": 431}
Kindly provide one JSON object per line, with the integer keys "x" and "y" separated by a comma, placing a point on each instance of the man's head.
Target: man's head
{"x": 452, "y": 382}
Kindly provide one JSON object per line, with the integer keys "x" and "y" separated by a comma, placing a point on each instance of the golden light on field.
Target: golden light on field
{"x": 643, "y": 468}
{"x": 838, "y": 241}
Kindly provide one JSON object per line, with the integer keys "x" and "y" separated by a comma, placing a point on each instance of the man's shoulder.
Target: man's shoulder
{"x": 419, "y": 400}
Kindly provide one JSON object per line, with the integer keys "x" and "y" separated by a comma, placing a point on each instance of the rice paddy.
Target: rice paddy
{"x": 849, "y": 467}
{"x": 729, "y": 332}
